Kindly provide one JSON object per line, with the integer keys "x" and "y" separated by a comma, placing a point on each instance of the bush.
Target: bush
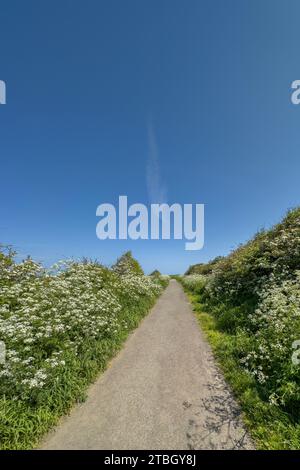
{"x": 194, "y": 283}
{"x": 60, "y": 327}
{"x": 155, "y": 273}
{"x": 238, "y": 278}
{"x": 254, "y": 297}
{"x": 275, "y": 325}
{"x": 127, "y": 264}
{"x": 203, "y": 268}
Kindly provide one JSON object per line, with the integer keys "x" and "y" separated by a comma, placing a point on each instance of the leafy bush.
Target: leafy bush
{"x": 127, "y": 264}
{"x": 238, "y": 278}
{"x": 60, "y": 327}
{"x": 275, "y": 325}
{"x": 194, "y": 282}
{"x": 155, "y": 273}
{"x": 203, "y": 268}
{"x": 254, "y": 296}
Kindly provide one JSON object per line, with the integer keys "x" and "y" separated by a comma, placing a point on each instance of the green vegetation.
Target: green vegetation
{"x": 61, "y": 327}
{"x": 249, "y": 305}
{"x": 203, "y": 268}
{"x": 155, "y": 273}
{"x": 126, "y": 264}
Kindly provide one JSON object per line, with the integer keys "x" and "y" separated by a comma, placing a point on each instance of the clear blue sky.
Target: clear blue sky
{"x": 86, "y": 79}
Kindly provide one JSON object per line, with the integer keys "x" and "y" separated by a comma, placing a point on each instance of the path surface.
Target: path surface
{"x": 162, "y": 391}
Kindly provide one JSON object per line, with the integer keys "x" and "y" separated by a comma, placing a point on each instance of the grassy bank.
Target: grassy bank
{"x": 248, "y": 303}
{"x": 60, "y": 329}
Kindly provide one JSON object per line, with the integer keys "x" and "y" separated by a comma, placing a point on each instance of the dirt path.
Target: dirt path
{"x": 163, "y": 391}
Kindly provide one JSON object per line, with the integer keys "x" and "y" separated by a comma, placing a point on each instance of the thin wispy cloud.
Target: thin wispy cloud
{"x": 157, "y": 191}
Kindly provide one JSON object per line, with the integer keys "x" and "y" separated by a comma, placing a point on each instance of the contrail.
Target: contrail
{"x": 157, "y": 191}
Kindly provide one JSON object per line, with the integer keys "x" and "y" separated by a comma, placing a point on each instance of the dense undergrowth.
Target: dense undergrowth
{"x": 60, "y": 328}
{"x": 249, "y": 305}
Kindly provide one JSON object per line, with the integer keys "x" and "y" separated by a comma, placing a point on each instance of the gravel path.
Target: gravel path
{"x": 163, "y": 391}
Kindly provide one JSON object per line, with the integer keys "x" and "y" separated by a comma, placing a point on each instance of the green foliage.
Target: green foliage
{"x": 253, "y": 295}
{"x": 203, "y": 268}
{"x": 155, "y": 273}
{"x": 60, "y": 327}
{"x": 127, "y": 264}
{"x": 238, "y": 278}
{"x": 194, "y": 283}
{"x": 270, "y": 426}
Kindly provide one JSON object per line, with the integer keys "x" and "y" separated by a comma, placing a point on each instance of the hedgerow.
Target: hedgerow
{"x": 254, "y": 297}
{"x": 60, "y": 327}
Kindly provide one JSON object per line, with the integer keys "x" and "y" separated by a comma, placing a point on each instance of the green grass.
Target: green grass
{"x": 270, "y": 427}
{"x": 22, "y": 426}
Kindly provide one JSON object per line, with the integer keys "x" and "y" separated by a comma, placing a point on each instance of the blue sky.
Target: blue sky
{"x": 87, "y": 79}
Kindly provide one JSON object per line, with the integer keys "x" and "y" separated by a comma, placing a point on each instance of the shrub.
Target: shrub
{"x": 60, "y": 327}
{"x": 238, "y": 278}
{"x": 127, "y": 264}
{"x": 275, "y": 325}
{"x": 194, "y": 282}
{"x": 155, "y": 273}
{"x": 254, "y": 297}
{"x": 203, "y": 268}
